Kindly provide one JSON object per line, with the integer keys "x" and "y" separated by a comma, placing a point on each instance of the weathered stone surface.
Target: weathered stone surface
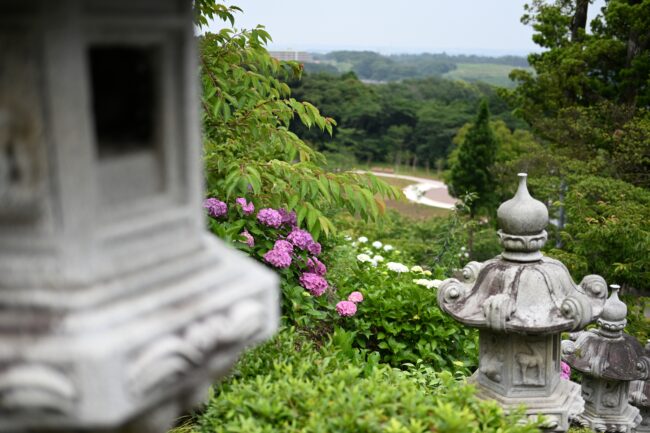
{"x": 521, "y": 301}
{"x": 609, "y": 360}
{"x": 118, "y": 309}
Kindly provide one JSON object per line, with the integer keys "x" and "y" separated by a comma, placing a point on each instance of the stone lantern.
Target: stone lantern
{"x": 118, "y": 308}
{"x": 522, "y": 301}
{"x": 640, "y": 397}
{"x": 608, "y": 359}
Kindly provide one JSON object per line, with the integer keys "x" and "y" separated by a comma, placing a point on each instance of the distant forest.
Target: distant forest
{"x": 372, "y": 66}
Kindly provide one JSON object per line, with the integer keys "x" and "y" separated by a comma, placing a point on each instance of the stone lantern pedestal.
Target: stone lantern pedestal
{"x": 640, "y": 398}
{"x": 609, "y": 360}
{"x": 521, "y": 301}
{"x": 118, "y": 308}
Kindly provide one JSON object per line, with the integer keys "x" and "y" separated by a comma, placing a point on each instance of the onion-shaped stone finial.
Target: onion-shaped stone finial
{"x": 522, "y": 220}
{"x": 614, "y": 315}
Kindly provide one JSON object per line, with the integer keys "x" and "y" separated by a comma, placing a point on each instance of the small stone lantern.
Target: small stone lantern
{"x": 521, "y": 301}
{"x": 608, "y": 359}
{"x": 640, "y": 397}
{"x": 118, "y": 309}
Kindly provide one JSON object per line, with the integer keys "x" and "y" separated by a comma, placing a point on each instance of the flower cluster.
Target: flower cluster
{"x": 428, "y": 283}
{"x": 270, "y": 217}
{"x": 314, "y": 283}
{"x": 566, "y": 371}
{"x": 294, "y": 250}
{"x": 216, "y": 208}
{"x": 247, "y": 208}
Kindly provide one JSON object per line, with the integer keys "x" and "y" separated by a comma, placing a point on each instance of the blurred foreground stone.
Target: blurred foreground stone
{"x": 117, "y": 308}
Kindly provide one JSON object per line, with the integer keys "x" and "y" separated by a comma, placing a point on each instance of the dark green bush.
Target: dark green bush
{"x": 289, "y": 385}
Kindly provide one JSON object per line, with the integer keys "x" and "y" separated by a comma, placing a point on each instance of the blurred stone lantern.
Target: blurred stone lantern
{"x": 521, "y": 301}
{"x": 609, "y": 360}
{"x": 640, "y": 398}
{"x": 118, "y": 309}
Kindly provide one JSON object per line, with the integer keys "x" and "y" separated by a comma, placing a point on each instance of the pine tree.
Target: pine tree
{"x": 472, "y": 170}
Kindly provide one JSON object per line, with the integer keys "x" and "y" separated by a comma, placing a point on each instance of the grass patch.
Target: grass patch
{"x": 491, "y": 73}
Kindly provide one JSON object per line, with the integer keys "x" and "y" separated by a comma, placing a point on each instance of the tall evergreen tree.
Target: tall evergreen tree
{"x": 472, "y": 170}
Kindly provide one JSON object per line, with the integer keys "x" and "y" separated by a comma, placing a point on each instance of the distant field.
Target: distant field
{"x": 487, "y": 72}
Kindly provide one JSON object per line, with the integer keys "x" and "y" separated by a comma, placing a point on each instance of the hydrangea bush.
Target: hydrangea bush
{"x": 274, "y": 237}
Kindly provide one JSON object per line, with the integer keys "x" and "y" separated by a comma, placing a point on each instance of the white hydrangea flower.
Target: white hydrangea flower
{"x": 364, "y": 258}
{"x": 427, "y": 273}
{"x": 362, "y": 239}
{"x": 428, "y": 283}
{"x": 378, "y": 258}
{"x": 417, "y": 269}
{"x": 377, "y": 244}
{"x": 466, "y": 254}
{"x": 373, "y": 262}
{"x": 347, "y": 238}
{"x": 463, "y": 248}
{"x": 388, "y": 247}
{"x": 397, "y": 267}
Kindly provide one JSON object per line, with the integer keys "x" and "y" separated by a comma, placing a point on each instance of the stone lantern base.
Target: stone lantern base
{"x": 132, "y": 358}
{"x": 623, "y": 422}
{"x": 644, "y": 426}
{"x": 559, "y": 408}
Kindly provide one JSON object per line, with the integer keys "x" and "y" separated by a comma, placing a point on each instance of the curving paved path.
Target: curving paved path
{"x": 424, "y": 191}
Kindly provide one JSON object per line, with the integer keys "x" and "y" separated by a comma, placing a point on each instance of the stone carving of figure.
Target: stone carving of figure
{"x": 534, "y": 359}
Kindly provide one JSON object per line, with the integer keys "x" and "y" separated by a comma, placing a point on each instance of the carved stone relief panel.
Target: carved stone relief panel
{"x": 530, "y": 363}
{"x": 21, "y": 129}
{"x": 493, "y": 352}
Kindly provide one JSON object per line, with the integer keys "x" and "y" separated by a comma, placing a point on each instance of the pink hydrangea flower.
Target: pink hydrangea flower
{"x": 283, "y": 245}
{"x": 355, "y": 297}
{"x": 346, "y": 308}
{"x": 278, "y": 258}
{"x": 250, "y": 240}
{"x": 288, "y": 218}
{"x": 216, "y": 208}
{"x": 314, "y": 248}
{"x": 314, "y": 283}
{"x": 247, "y": 208}
{"x": 566, "y": 370}
{"x": 315, "y": 266}
{"x": 270, "y": 217}
{"x": 300, "y": 238}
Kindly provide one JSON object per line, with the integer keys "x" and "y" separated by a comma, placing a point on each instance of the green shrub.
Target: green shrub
{"x": 398, "y": 318}
{"x": 290, "y": 385}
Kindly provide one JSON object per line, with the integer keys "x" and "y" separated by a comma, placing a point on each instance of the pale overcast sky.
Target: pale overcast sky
{"x": 488, "y": 27}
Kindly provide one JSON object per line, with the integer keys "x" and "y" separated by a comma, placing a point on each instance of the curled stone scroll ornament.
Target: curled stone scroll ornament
{"x": 471, "y": 271}
{"x": 578, "y": 310}
{"x": 594, "y": 286}
{"x": 498, "y": 310}
{"x": 166, "y": 359}
{"x": 36, "y": 387}
{"x": 451, "y": 291}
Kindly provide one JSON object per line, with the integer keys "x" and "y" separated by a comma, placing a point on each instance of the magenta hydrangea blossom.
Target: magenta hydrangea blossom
{"x": 247, "y": 208}
{"x": 278, "y": 258}
{"x": 315, "y": 266}
{"x": 216, "y": 208}
{"x": 270, "y": 217}
{"x": 355, "y": 297}
{"x": 314, "y": 248}
{"x": 250, "y": 240}
{"x": 346, "y": 308}
{"x": 283, "y": 245}
{"x": 314, "y": 283}
{"x": 566, "y": 370}
{"x": 288, "y": 218}
{"x": 300, "y": 238}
